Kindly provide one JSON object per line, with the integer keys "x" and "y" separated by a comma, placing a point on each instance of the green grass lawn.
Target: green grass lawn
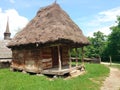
{"x": 91, "y": 80}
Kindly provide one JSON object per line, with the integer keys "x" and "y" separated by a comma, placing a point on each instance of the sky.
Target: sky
{"x": 90, "y": 15}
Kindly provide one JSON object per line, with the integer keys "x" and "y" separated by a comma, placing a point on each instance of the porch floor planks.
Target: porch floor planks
{"x": 56, "y": 71}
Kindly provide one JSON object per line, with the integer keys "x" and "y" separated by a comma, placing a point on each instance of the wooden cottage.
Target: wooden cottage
{"x": 43, "y": 45}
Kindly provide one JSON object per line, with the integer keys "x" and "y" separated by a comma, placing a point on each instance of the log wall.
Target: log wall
{"x": 28, "y": 60}
{"x": 36, "y": 59}
{"x": 18, "y": 59}
{"x": 46, "y": 58}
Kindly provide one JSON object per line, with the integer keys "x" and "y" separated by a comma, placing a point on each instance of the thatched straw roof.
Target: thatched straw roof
{"x": 50, "y": 24}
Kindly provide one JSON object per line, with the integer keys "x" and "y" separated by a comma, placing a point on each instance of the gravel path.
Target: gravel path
{"x": 113, "y": 81}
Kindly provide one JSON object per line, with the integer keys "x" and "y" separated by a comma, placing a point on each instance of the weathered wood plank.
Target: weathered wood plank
{"x": 47, "y": 60}
{"x": 56, "y": 71}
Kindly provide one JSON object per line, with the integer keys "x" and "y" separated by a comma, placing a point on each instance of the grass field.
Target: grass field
{"x": 95, "y": 74}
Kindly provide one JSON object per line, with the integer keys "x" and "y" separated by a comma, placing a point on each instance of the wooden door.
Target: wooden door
{"x": 55, "y": 56}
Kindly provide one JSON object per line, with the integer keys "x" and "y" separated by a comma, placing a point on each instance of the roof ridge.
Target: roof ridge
{"x": 47, "y": 7}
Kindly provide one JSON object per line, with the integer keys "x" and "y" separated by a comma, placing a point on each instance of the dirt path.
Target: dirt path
{"x": 113, "y": 81}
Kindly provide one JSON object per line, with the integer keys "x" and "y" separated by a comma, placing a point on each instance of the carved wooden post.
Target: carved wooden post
{"x": 59, "y": 58}
{"x": 83, "y": 66}
{"x": 69, "y": 58}
{"x": 76, "y": 56}
{"x": 82, "y": 56}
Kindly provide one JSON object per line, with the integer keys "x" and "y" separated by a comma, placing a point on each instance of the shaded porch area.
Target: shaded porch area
{"x": 61, "y": 69}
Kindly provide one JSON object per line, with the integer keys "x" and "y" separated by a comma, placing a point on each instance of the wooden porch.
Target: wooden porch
{"x": 64, "y": 70}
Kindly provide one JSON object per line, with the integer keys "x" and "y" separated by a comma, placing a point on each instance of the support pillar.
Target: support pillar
{"x": 59, "y": 58}
{"x": 82, "y": 56}
{"x": 70, "y": 65}
{"x": 76, "y": 56}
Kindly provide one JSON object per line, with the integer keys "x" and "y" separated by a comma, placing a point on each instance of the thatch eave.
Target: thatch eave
{"x": 61, "y": 41}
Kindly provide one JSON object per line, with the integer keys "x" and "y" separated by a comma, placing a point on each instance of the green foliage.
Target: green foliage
{"x": 95, "y": 74}
{"x": 73, "y": 52}
{"x": 78, "y": 53}
{"x": 105, "y": 46}
{"x": 113, "y": 48}
{"x": 98, "y": 42}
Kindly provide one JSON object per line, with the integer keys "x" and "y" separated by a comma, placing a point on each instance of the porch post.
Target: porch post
{"x": 59, "y": 58}
{"x": 69, "y": 58}
{"x": 76, "y": 57}
{"x": 82, "y": 55}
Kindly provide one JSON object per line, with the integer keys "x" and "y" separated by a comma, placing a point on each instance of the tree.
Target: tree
{"x": 114, "y": 41}
{"x": 78, "y": 53}
{"x": 97, "y": 45}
